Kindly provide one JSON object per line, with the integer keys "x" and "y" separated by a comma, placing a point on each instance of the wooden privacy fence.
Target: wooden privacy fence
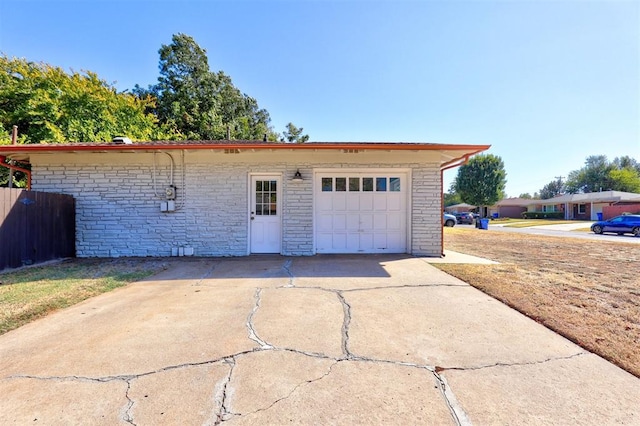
{"x": 35, "y": 227}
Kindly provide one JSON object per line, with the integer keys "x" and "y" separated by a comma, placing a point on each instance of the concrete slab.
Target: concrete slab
{"x": 134, "y": 330}
{"x": 579, "y": 390}
{"x": 307, "y": 320}
{"x": 447, "y": 327}
{"x": 358, "y": 393}
{"x": 49, "y": 401}
{"x": 321, "y": 340}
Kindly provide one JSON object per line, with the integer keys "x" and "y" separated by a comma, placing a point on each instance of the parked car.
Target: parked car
{"x": 449, "y": 220}
{"x": 626, "y": 224}
{"x": 465, "y": 217}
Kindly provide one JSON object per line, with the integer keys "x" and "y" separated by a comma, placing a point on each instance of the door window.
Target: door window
{"x": 266, "y": 198}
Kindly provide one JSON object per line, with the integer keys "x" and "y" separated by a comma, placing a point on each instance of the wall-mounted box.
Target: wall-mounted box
{"x": 167, "y": 206}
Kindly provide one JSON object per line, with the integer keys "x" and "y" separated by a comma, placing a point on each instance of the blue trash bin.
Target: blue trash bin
{"x": 484, "y": 223}
{"x": 599, "y": 216}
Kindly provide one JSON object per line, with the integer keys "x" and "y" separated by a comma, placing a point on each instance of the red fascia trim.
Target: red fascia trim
{"x": 240, "y": 146}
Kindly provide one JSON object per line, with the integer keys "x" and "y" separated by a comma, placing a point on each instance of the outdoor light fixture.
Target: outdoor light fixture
{"x": 297, "y": 177}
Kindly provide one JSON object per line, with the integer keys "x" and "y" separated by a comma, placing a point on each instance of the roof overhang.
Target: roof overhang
{"x": 451, "y": 155}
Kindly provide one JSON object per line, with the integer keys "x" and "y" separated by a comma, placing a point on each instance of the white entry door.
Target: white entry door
{"x": 361, "y": 212}
{"x": 265, "y": 224}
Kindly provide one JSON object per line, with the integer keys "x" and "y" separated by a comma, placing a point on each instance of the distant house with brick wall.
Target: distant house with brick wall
{"x": 459, "y": 208}
{"x": 235, "y": 198}
{"x": 588, "y": 206}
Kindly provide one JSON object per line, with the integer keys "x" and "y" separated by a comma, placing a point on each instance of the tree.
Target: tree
{"x": 626, "y": 180}
{"x": 49, "y": 105}
{"x": 481, "y": 181}
{"x": 552, "y": 189}
{"x": 294, "y": 134}
{"x": 527, "y": 196}
{"x": 451, "y": 198}
{"x": 199, "y": 103}
{"x": 599, "y": 174}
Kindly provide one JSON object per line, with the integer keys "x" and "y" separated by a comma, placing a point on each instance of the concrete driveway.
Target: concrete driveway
{"x": 321, "y": 340}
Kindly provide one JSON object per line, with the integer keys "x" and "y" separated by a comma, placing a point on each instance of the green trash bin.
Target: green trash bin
{"x": 484, "y": 223}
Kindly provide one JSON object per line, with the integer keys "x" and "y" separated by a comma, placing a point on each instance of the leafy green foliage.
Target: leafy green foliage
{"x": 294, "y": 134}
{"x": 481, "y": 181}
{"x": 451, "y": 198}
{"x": 552, "y": 189}
{"x": 49, "y": 105}
{"x": 598, "y": 174}
{"x": 199, "y": 103}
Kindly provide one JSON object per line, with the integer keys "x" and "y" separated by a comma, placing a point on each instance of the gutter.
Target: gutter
{"x": 241, "y": 145}
{"x": 3, "y": 163}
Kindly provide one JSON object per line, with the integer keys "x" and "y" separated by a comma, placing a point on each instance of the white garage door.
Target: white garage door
{"x": 364, "y": 212}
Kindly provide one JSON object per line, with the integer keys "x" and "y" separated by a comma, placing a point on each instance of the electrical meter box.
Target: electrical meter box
{"x": 170, "y": 192}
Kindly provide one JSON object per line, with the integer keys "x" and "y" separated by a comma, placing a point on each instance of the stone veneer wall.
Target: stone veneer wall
{"x": 118, "y": 207}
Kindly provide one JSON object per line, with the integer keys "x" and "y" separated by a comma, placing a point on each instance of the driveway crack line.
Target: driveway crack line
{"x": 346, "y": 322}
{"x": 129, "y": 377}
{"x": 287, "y": 269}
{"x": 439, "y": 369}
{"x": 464, "y": 285}
{"x": 128, "y": 416}
{"x": 457, "y": 412}
{"x": 222, "y": 395}
{"x": 252, "y": 331}
{"x": 207, "y": 274}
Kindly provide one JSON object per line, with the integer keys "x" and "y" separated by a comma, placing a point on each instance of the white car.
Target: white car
{"x": 449, "y": 220}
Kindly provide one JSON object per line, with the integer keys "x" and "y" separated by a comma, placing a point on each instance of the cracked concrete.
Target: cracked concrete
{"x": 322, "y": 340}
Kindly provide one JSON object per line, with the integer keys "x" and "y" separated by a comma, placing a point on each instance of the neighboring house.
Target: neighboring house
{"x": 235, "y": 198}
{"x": 511, "y": 207}
{"x": 586, "y": 206}
{"x": 459, "y": 208}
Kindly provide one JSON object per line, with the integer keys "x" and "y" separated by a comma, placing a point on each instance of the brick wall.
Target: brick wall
{"x": 616, "y": 210}
{"x": 118, "y": 206}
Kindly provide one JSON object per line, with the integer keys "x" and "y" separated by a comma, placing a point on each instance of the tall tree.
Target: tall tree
{"x": 49, "y": 105}
{"x": 294, "y": 134}
{"x": 451, "y": 198}
{"x": 199, "y": 103}
{"x": 552, "y": 189}
{"x": 482, "y": 180}
{"x": 598, "y": 174}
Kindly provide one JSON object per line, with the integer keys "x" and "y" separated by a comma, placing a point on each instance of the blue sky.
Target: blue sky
{"x": 546, "y": 83}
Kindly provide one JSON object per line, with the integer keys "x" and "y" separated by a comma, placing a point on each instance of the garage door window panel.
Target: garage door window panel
{"x": 367, "y": 184}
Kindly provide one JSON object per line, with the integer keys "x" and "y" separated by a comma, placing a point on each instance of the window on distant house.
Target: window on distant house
{"x": 582, "y": 208}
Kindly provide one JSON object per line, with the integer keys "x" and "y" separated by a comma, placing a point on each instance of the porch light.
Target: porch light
{"x": 297, "y": 177}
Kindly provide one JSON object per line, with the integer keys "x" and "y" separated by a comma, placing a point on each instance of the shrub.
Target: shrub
{"x": 543, "y": 215}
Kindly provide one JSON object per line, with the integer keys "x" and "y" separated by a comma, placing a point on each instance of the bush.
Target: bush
{"x": 543, "y": 215}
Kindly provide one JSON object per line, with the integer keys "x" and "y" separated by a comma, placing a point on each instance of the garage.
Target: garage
{"x": 363, "y": 211}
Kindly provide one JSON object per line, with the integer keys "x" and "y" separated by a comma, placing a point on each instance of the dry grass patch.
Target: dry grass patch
{"x": 588, "y": 291}
{"x": 34, "y": 292}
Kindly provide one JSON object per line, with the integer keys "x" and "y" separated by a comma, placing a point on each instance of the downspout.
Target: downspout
{"x": 3, "y": 159}
{"x": 12, "y": 167}
{"x": 449, "y": 165}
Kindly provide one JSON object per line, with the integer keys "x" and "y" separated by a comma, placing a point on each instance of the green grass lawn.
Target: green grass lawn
{"x": 31, "y": 293}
